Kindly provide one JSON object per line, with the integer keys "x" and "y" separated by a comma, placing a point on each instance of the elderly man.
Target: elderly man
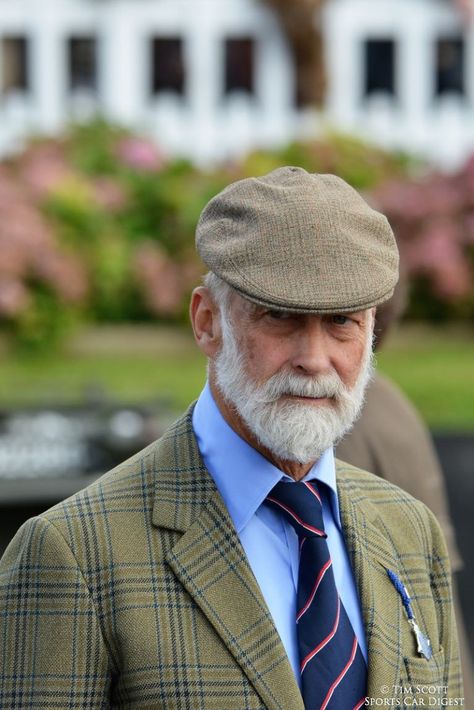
{"x": 233, "y": 564}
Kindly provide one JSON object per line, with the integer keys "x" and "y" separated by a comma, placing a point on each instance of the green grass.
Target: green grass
{"x": 434, "y": 367}
{"x": 140, "y": 378}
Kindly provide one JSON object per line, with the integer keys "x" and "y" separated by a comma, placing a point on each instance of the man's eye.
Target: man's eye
{"x": 340, "y": 319}
{"x": 278, "y": 315}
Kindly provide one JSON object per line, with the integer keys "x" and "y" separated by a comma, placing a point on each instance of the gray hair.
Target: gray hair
{"x": 221, "y": 294}
{"x": 220, "y": 291}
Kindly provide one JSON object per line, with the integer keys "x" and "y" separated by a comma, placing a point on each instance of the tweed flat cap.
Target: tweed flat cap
{"x": 301, "y": 242}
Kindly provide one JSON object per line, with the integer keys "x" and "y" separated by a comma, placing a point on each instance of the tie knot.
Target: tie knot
{"x": 301, "y": 505}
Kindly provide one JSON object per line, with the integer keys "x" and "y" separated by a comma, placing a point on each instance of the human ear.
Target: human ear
{"x": 204, "y": 316}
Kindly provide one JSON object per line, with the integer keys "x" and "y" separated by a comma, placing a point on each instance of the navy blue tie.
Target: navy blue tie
{"x": 333, "y": 669}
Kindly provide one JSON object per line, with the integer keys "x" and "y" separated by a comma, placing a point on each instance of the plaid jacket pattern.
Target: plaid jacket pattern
{"x": 136, "y": 593}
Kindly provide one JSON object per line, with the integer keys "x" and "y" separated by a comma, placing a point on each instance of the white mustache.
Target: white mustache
{"x": 287, "y": 383}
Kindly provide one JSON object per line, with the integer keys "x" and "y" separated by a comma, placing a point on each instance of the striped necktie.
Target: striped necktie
{"x": 333, "y": 669}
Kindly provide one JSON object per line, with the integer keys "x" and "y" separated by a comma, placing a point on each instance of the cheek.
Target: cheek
{"x": 350, "y": 363}
{"x": 264, "y": 356}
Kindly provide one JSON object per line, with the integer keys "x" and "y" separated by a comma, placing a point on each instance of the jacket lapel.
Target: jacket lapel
{"x": 371, "y": 554}
{"x": 211, "y": 564}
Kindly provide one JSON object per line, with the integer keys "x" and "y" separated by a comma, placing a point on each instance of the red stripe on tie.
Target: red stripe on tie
{"x": 313, "y": 490}
{"x": 340, "y": 676}
{"x": 361, "y": 702}
{"x": 304, "y": 525}
{"x": 314, "y": 590}
{"x": 324, "y": 642}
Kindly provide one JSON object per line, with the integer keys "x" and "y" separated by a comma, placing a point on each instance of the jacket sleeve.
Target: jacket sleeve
{"x": 52, "y": 652}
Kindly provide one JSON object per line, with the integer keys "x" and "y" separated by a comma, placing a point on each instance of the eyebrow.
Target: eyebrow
{"x": 256, "y": 309}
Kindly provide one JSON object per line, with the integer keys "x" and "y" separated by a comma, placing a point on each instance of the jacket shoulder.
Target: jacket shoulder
{"x": 128, "y": 491}
{"x": 354, "y": 478}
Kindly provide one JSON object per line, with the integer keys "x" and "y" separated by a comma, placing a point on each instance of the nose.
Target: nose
{"x": 311, "y": 355}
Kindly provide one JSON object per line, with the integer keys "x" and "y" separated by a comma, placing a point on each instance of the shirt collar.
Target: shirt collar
{"x": 242, "y": 475}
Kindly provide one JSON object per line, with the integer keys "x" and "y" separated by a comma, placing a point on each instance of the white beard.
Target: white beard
{"x": 292, "y": 431}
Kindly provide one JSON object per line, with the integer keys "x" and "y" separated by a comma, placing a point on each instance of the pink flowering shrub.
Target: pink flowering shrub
{"x": 35, "y": 269}
{"x": 165, "y": 283}
{"x": 99, "y": 225}
{"x": 433, "y": 219}
{"x": 95, "y": 225}
{"x": 139, "y": 154}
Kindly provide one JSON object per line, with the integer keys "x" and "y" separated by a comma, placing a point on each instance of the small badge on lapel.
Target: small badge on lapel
{"x": 422, "y": 641}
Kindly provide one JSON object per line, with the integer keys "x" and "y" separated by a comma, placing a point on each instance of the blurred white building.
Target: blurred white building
{"x": 211, "y": 78}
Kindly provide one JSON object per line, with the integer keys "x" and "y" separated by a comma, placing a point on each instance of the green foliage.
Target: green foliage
{"x": 363, "y": 166}
{"x": 99, "y": 224}
{"x": 113, "y": 297}
{"x": 92, "y": 147}
{"x": 43, "y": 325}
{"x": 71, "y": 207}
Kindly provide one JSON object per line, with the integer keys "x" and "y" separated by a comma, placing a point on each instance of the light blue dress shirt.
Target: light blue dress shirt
{"x": 244, "y": 478}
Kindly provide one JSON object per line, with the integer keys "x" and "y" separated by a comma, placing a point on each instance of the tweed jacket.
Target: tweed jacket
{"x": 136, "y": 593}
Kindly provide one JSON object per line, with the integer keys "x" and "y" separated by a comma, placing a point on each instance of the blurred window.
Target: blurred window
{"x": 239, "y": 65}
{"x": 379, "y": 74}
{"x": 167, "y": 65}
{"x": 450, "y": 66}
{"x": 14, "y": 61}
{"x": 82, "y": 63}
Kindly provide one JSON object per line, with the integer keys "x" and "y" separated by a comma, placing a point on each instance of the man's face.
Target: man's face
{"x": 296, "y": 381}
